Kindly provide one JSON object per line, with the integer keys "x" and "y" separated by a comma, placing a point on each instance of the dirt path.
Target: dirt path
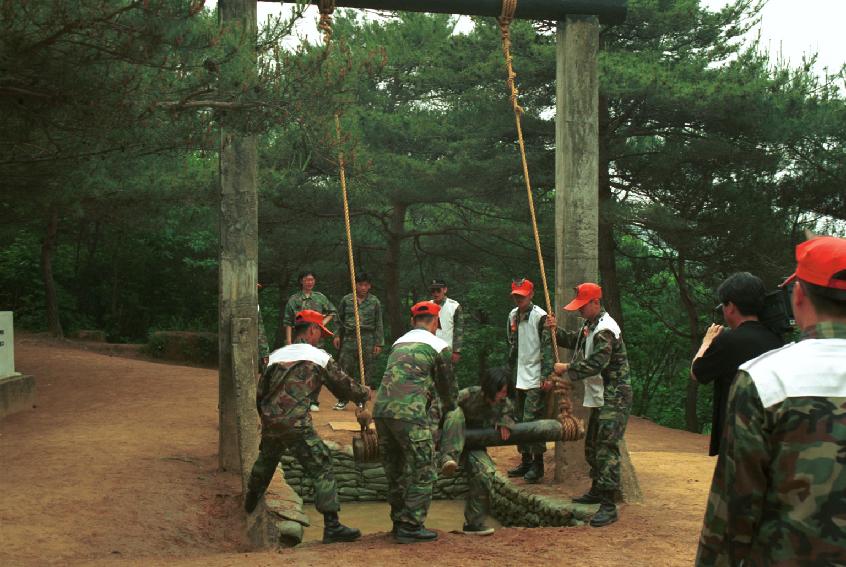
{"x": 117, "y": 464}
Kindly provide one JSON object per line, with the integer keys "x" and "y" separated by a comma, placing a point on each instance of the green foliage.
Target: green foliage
{"x": 713, "y": 160}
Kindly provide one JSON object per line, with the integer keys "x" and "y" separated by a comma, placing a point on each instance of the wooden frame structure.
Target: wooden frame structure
{"x": 576, "y": 200}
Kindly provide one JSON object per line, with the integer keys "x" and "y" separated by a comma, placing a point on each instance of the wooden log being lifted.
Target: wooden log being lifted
{"x": 608, "y": 11}
{"x": 529, "y": 432}
{"x": 366, "y": 450}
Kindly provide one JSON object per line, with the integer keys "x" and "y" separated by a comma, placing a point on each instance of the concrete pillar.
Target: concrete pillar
{"x": 237, "y": 324}
{"x": 576, "y": 182}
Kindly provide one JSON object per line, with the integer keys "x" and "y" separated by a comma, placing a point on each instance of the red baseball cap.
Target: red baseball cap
{"x": 425, "y": 308}
{"x": 315, "y": 317}
{"x": 522, "y": 287}
{"x": 585, "y": 293}
{"x": 818, "y": 260}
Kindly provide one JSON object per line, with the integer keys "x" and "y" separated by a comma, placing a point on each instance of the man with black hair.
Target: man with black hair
{"x": 779, "y": 491}
{"x": 419, "y": 371}
{"x": 283, "y": 397}
{"x": 372, "y": 333}
{"x": 307, "y": 298}
{"x": 741, "y": 301}
{"x": 479, "y": 407}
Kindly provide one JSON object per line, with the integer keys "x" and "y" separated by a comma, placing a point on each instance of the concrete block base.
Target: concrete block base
{"x": 17, "y": 393}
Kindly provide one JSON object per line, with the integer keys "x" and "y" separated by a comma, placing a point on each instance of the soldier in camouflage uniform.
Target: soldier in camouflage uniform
{"x": 600, "y": 360}
{"x": 312, "y": 300}
{"x": 479, "y": 407}
{"x": 283, "y": 396}
{"x": 530, "y": 357}
{"x": 779, "y": 491}
{"x": 372, "y": 333}
{"x": 419, "y": 370}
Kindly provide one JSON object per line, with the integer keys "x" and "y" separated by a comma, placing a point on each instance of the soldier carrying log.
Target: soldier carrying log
{"x": 283, "y": 397}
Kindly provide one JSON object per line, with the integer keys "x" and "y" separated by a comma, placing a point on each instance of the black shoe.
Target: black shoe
{"x": 535, "y": 473}
{"x": 251, "y": 500}
{"x": 334, "y": 531}
{"x": 414, "y": 534}
{"x": 479, "y": 530}
{"x": 522, "y": 468}
{"x": 589, "y": 497}
{"x": 607, "y": 514}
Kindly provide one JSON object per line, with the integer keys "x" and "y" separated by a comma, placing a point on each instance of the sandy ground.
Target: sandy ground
{"x": 117, "y": 464}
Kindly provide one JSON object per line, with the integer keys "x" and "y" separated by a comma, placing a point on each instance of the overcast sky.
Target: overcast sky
{"x": 791, "y": 28}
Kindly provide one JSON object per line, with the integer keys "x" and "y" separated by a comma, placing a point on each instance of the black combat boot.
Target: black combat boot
{"x": 522, "y": 468}
{"x": 590, "y": 497}
{"x": 535, "y": 473}
{"x": 407, "y": 533}
{"x": 334, "y": 531}
{"x": 607, "y": 513}
{"x": 251, "y": 500}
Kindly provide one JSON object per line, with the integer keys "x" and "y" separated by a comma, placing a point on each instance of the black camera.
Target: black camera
{"x": 777, "y": 314}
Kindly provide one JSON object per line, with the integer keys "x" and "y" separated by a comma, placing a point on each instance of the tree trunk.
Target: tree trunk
{"x": 48, "y": 248}
{"x": 691, "y": 419}
{"x": 607, "y": 246}
{"x": 397, "y": 320}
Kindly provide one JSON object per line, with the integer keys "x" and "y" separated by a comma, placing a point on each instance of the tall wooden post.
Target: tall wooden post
{"x": 237, "y": 323}
{"x": 576, "y": 181}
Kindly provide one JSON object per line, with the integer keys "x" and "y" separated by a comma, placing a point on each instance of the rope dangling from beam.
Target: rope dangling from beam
{"x": 573, "y": 428}
{"x": 327, "y": 8}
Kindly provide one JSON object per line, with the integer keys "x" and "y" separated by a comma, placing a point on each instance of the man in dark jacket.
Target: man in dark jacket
{"x": 741, "y": 300}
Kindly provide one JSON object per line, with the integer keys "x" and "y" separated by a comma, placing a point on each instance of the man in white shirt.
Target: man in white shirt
{"x": 530, "y": 358}
{"x": 451, "y": 317}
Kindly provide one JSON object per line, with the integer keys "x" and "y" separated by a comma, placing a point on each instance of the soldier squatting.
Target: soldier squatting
{"x": 779, "y": 489}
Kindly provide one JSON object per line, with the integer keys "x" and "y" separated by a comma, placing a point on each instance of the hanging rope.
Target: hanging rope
{"x": 327, "y": 7}
{"x": 573, "y": 428}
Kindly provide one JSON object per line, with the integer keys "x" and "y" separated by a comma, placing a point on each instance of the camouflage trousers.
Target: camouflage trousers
{"x": 605, "y": 430}
{"x": 530, "y": 406}
{"x": 408, "y": 457}
{"x": 315, "y": 458}
{"x": 476, "y": 464}
{"x": 348, "y": 356}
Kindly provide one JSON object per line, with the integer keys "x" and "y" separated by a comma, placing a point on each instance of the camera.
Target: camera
{"x": 777, "y": 314}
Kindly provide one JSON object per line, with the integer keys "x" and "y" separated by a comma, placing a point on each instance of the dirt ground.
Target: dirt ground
{"x": 117, "y": 464}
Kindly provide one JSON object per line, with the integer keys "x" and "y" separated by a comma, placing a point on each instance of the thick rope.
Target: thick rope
{"x": 327, "y": 7}
{"x": 573, "y": 429}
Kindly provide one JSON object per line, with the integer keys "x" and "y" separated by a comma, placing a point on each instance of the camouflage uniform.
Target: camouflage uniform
{"x": 475, "y": 411}
{"x": 530, "y": 404}
{"x": 372, "y": 334}
{"x": 417, "y": 374}
{"x": 300, "y": 301}
{"x": 607, "y": 424}
{"x": 779, "y": 491}
{"x": 283, "y": 397}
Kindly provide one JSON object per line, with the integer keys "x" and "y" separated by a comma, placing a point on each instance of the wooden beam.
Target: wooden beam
{"x": 608, "y": 11}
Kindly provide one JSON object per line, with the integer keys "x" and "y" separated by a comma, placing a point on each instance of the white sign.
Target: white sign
{"x": 7, "y": 345}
